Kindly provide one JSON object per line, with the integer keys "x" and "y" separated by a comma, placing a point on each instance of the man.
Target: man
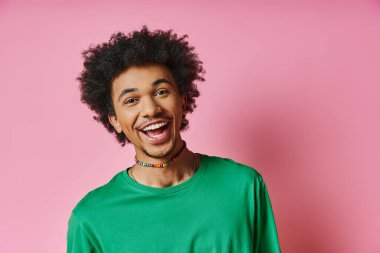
{"x": 141, "y": 86}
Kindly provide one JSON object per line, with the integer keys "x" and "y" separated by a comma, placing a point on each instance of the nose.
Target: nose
{"x": 150, "y": 107}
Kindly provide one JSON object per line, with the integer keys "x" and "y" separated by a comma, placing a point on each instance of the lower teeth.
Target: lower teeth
{"x": 155, "y": 136}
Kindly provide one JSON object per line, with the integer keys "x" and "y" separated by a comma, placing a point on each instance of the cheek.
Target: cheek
{"x": 128, "y": 121}
{"x": 179, "y": 116}
{"x": 174, "y": 110}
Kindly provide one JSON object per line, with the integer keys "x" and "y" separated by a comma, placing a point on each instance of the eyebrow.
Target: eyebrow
{"x": 155, "y": 83}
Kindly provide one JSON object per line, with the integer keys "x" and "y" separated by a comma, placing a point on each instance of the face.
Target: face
{"x": 149, "y": 110}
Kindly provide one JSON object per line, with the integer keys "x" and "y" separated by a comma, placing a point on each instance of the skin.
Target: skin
{"x": 144, "y": 104}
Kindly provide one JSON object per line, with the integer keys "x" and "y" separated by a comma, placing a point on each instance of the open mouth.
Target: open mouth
{"x": 157, "y": 135}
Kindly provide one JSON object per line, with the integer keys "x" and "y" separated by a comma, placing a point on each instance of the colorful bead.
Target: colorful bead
{"x": 161, "y": 165}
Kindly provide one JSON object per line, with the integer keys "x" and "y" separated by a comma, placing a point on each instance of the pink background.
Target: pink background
{"x": 292, "y": 89}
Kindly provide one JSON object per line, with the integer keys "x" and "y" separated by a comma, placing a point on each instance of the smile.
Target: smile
{"x": 157, "y": 133}
{"x": 155, "y": 126}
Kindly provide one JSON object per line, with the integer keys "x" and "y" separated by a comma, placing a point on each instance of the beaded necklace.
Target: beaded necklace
{"x": 193, "y": 169}
{"x": 161, "y": 165}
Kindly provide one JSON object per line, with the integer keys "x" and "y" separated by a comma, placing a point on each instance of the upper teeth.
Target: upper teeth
{"x": 155, "y": 126}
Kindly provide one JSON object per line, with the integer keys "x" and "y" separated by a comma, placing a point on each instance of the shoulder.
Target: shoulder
{"x": 94, "y": 200}
{"x": 234, "y": 169}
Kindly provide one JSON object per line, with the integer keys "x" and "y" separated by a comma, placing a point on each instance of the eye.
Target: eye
{"x": 161, "y": 92}
{"x": 129, "y": 101}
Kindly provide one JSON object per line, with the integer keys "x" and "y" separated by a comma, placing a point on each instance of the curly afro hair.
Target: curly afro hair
{"x": 106, "y": 61}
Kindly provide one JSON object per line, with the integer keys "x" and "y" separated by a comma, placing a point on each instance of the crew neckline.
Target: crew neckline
{"x": 171, "y": 189}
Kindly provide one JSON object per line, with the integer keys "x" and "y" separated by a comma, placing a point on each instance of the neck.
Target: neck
{"x": 179, "y": 171}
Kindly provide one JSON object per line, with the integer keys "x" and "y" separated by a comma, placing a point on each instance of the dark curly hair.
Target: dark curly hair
{"x": 106, "y": 61}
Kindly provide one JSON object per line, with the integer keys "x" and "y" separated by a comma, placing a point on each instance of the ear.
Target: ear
{"x": 115, "y": 123}
{"x": 184, "y": 103}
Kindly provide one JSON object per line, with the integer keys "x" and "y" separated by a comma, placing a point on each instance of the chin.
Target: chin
{"x": 161, "y": 151}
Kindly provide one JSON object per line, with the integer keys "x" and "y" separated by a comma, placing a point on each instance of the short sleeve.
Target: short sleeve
{"x": 265, "y": 232}
{"x": 78, "y": 240}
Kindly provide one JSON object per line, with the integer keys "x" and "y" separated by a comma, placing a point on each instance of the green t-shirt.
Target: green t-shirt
{"x": 224, "y": 207}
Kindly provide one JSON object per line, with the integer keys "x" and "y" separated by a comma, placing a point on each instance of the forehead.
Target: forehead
{"x": 140, "y": 77}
